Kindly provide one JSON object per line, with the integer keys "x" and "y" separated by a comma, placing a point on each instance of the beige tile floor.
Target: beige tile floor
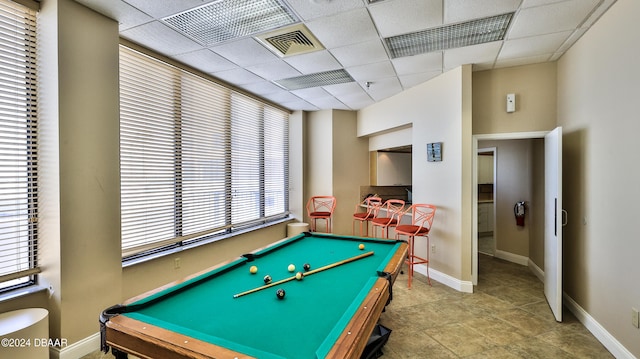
{"x": 507, "y": 317}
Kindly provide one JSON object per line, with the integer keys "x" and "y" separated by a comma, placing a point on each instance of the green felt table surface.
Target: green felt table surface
{"x": 304, "y": 324}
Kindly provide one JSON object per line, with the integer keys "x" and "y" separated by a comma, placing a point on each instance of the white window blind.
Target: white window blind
{"x": 196, "y": 160}
{"x": 18, "y": 146}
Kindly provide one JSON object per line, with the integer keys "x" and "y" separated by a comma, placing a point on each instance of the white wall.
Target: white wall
{"x": 439, "y": 111}
{"x": 598, "y": 87}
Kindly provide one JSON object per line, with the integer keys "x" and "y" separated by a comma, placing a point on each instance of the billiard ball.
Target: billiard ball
{"x": 361, "y": 246}
{"x": 306, "y": 266}
{"x": 253, "y": 270}
{"x": 291, "y": 268}
{"x": 280, "y": 293}
{"x": 299, "y": 276}
{"x": 267, "y": 279}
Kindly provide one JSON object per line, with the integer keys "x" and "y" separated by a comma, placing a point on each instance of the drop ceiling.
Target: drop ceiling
{"x": 350, "y": 38}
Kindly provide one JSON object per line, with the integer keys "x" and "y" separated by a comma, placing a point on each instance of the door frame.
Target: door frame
{"x": 474, "y": 190}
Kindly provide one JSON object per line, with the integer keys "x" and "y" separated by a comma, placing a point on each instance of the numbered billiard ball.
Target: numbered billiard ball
{"x": 280, "y": 293}
{"x": 253, "y": 270}
{"x": 291, "y": 268}
{"x": 267, "y": 279}
{"x": 306, "y": 266}
{"x": 299, "y": 276}
{"x": 361, "y": 246}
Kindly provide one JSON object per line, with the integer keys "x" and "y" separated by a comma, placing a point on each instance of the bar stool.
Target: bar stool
{"x": 321, "y": 207}
{"x": 421, "y": 220}
{"x": 392, "y": 209}
{"x": 372, "y": 204}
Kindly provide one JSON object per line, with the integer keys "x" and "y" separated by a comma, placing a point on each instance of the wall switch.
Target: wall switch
{"x": 511, "y": 102}
{"x": 635, "y": 318}
{"x": 176, "y": 263}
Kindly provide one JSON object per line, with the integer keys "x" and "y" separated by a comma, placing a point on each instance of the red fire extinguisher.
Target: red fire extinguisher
{"x": 518, "y": 211}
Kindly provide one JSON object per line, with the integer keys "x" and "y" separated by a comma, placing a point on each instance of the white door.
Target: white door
{"x": 553, "y": 221}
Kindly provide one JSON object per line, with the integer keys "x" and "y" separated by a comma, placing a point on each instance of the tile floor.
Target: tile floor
{"x": 507, "y": 317}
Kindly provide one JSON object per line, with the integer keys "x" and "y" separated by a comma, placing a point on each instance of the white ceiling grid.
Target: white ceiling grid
{"x": 353, "y": 33}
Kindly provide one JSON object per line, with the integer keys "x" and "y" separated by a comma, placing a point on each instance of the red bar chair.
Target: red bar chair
{"x": 421, "y": 220}
{"x": 372, "y": 205}
{"x": 392, "y": 209}
{"x": 321, "y": 207}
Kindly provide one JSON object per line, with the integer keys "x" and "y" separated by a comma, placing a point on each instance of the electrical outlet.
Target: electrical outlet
{"x": 176, "y": 263}
{"x": 635, "y": 318}
{"x": 433, "y": 248}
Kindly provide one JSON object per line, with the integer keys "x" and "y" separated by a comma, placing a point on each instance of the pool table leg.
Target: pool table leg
{"x": 118, "y": 354}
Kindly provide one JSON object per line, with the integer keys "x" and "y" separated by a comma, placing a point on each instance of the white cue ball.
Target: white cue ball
{"x": 291, "y": 267}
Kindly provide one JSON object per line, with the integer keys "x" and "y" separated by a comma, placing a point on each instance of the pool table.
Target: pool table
{"x": 228, "y": 312}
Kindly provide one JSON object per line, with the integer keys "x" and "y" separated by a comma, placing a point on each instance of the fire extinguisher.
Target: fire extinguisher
{"x": 518, "y": 211}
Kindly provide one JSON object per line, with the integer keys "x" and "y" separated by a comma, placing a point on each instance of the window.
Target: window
{"x": 18, "y": 146}
{"x": 197, "y": 159}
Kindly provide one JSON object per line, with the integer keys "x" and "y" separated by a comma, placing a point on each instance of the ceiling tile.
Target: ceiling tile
{"x": 311, "y": 9}
{"x": 346, "y": 28}
{"x": 126, "y": 15}
{"x": 400, "y": 17}
{"x": 462, "y": 10}
{"x": 161, "y": 38}
{"x": 310, "y": 63}
{"x": 328, "y": 102}
{"x": 206, "y": 61}
{"x": 419, "y": 63}
{"x": 414, "y": 79}
{"x": 262, "y": 88}
{"x": 163, "y": 8}
{"x": 238, "y": 76}
{"x": 245, "y": 52}
{"x": 384, "y": 88}
{"x": 500, "y": 63}
{"x": 556, "y": 17}
{"x": 533, "y": 46}
{"x": 372, "y": 72}
{"x": 274, "y": 70}
{"x": 361, "y": 53}
{"x": 476, "y": 54}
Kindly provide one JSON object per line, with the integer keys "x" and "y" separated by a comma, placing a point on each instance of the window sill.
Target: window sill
{"x": 21, "y": 292}
{"x": 171, "y": 251}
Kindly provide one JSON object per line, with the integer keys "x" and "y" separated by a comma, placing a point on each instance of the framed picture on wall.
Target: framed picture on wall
{"x": 434, "y": 152}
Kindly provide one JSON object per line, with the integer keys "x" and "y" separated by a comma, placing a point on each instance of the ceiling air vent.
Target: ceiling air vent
{"x": 292, "y": 40}
{"x": 326, "y": 78}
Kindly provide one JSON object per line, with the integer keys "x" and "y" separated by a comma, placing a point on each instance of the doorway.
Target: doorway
{"x": 486, "y": 175}
{"x": 544, "y": 204}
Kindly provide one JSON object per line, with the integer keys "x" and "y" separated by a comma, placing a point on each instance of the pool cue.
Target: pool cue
{"x": 328, "y": 266}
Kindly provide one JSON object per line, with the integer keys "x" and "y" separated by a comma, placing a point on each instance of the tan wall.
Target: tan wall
{"x": 337, "y": 163}
{"x": 350, "y": 169}
{"x": 535, "y": 89}
{"x": 139, "y": 278}
{"x": 598, "y": 87}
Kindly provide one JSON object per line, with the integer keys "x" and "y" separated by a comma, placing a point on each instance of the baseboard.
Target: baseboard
{"x": 514, "y": 258}
{"x": 598, "y": 331}
{"x": 537, "y": 271}
{"x": 77, "y": 349}
{"x": 449, "y": 281}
